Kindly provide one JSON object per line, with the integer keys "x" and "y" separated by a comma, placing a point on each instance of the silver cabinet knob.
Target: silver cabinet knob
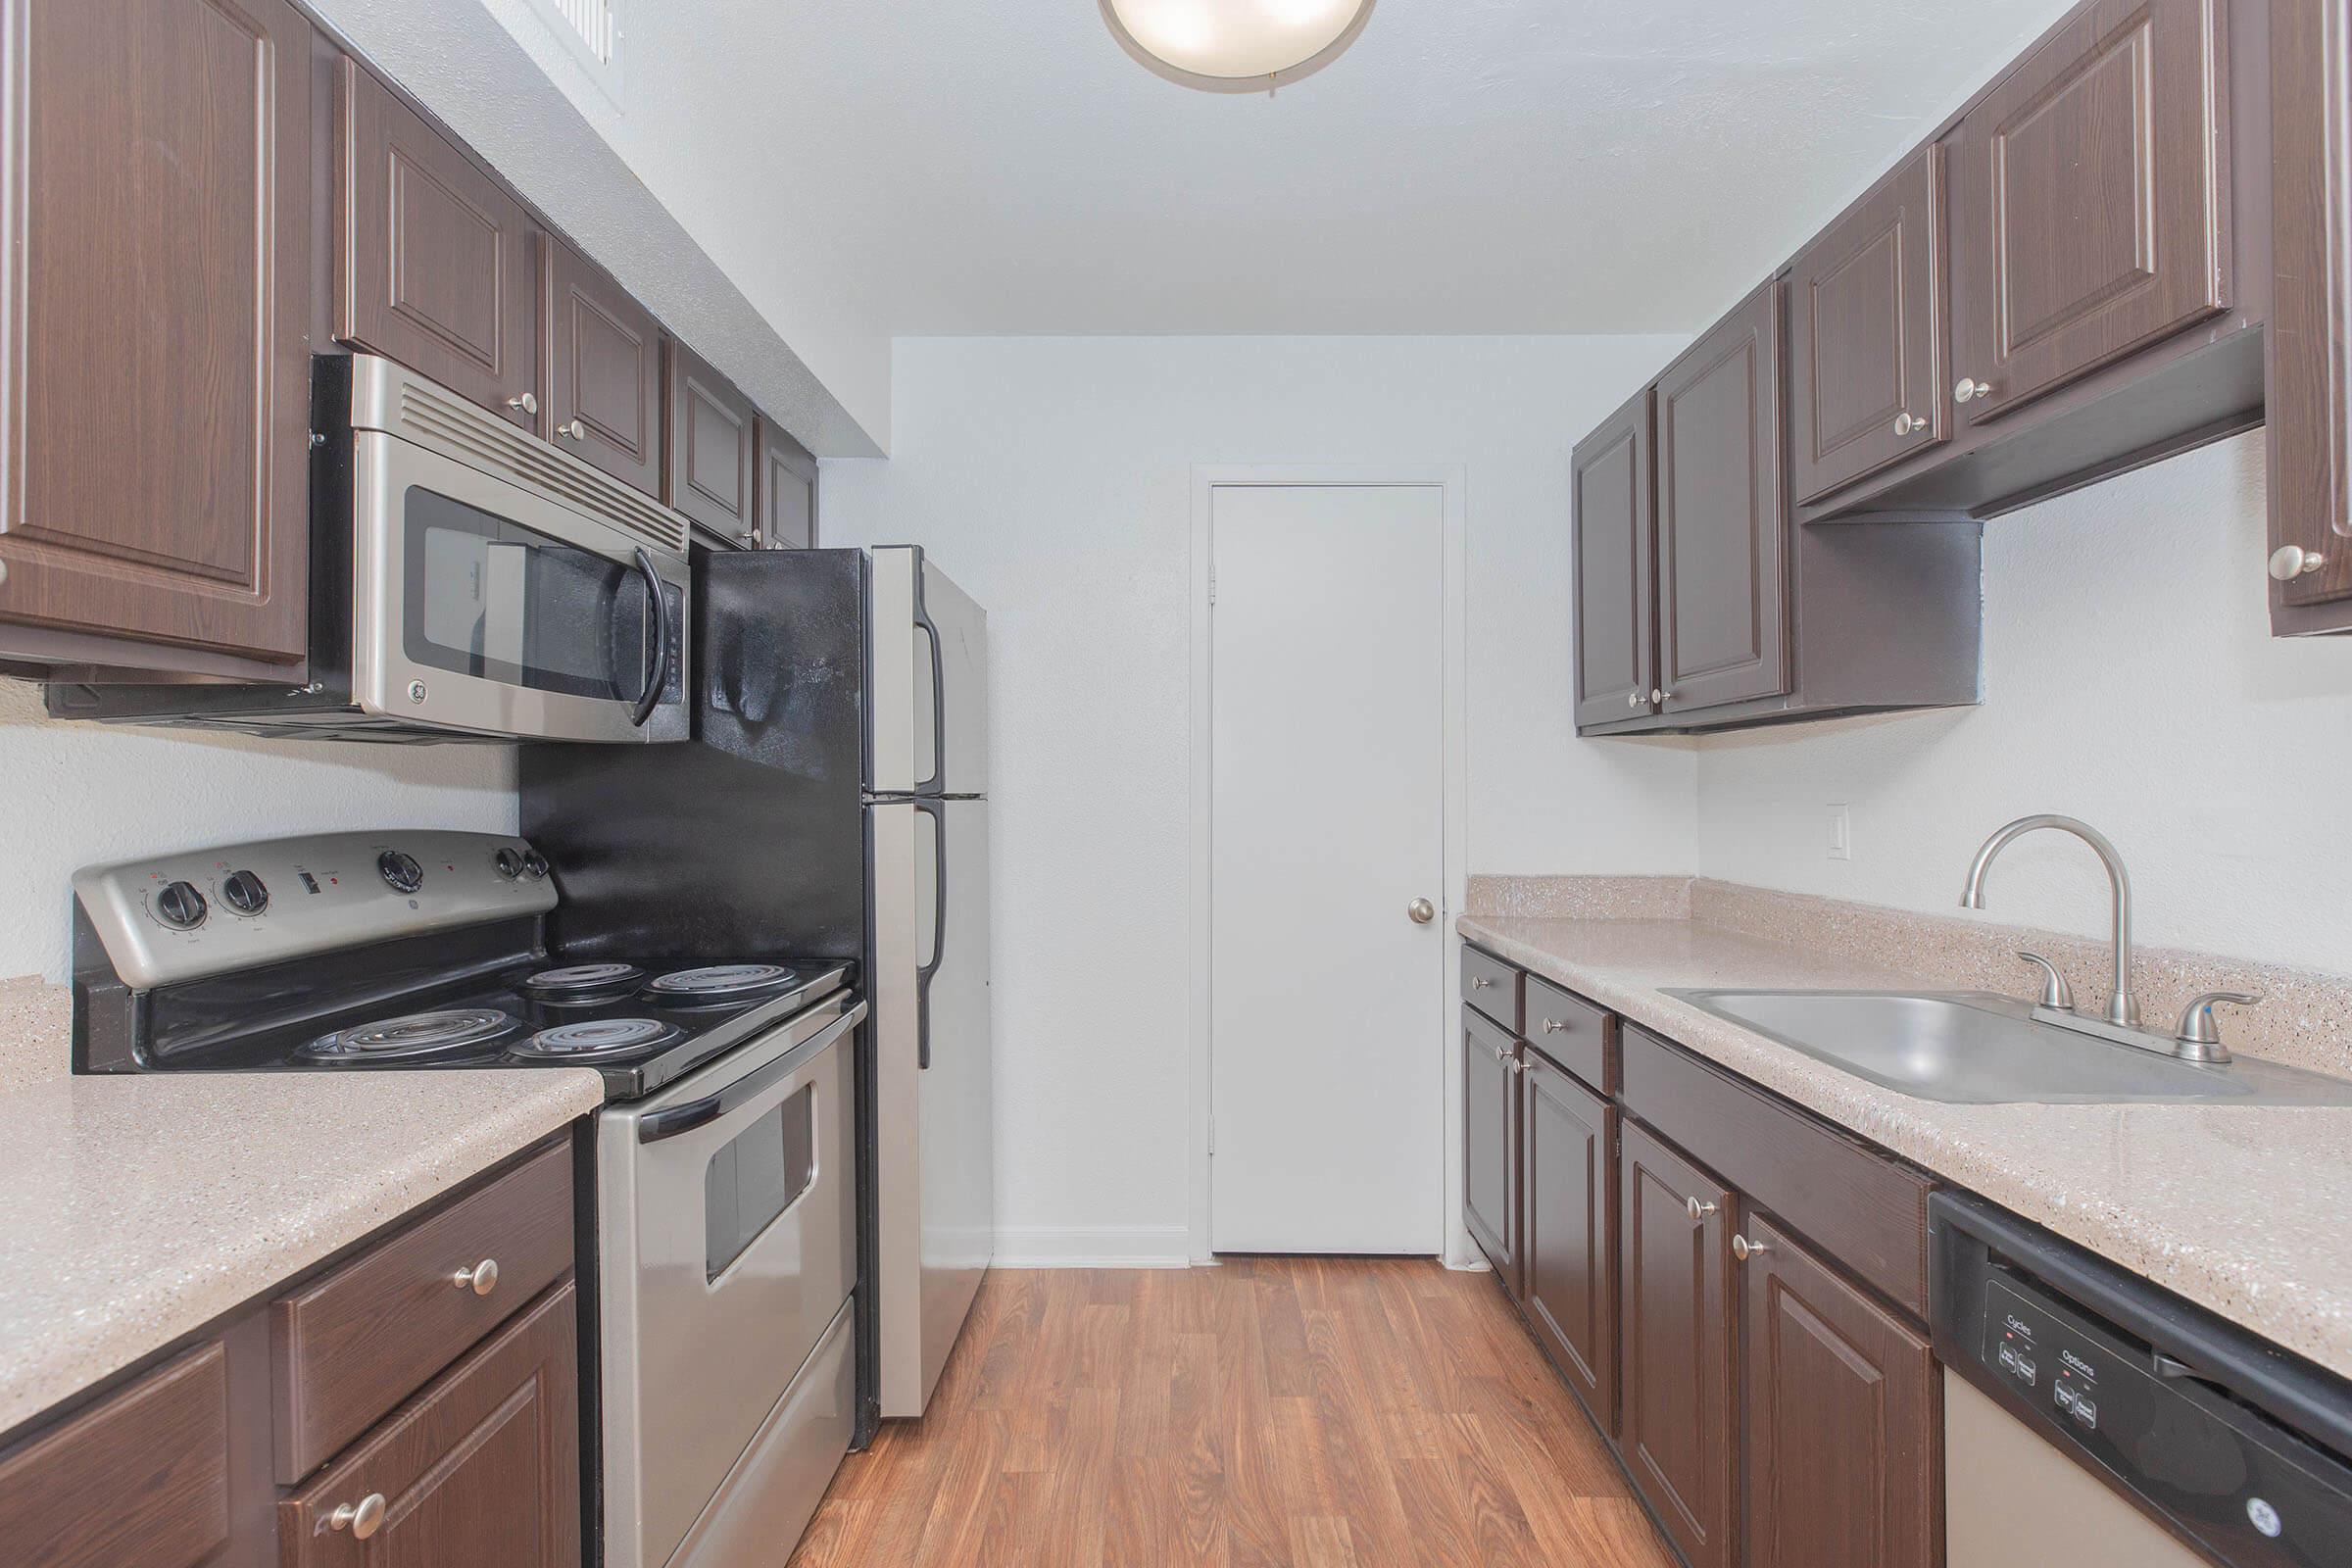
{"x": 1633, "y": 699}
{"x": 2289, "y": 561}
{"x": 574, "y": 429}
{"x": 363, "y": 1519}
{"x": 1742, "y": 1249}
{"x": 1697, "y": 1208}
{"x": 481, "y": 1279}
{"x": 1967, "y": 388}
{"x": 1422, "y": 910}
{"x": 1658, "y": 694}
{"x": 1554, "y": 1026}
{"x": 528, "y": 402}
{"x": 1904, "y": 424}
{"x": 755, "y": 538}
{"x": 1479, "y": 982}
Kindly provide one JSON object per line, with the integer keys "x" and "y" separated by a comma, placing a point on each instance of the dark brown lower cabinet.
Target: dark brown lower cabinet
{"x": 480, "y": 1470}
{"x": 1842, "y": 1418}
{"x": 1491, "y": 1143}
{"x": 1567, "y": 1255}
{"x": 1678, "y": 1342}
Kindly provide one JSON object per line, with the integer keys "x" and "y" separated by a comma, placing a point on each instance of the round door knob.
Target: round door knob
{"x": 1968, "y": 388}
{"x": 2289, "y": 561}
{"x": 572, "y": 429}
{"x": 1422, "y": 910}
{"x": 363, "y": 1519}
{"x": 481, "y": 1279}
{"x": 528, "y": 402}
{"x": 1742, "y": 1249}
{"x": 1697, "y": 1208}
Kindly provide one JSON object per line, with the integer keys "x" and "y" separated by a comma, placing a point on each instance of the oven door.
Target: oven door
{"x": 484, "y": 604}
{"x": 727, "y": 1205}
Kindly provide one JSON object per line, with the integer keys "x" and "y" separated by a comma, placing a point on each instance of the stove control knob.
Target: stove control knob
{"x": 509, "y": 864}
{"x": 246, "y": 894}
{"x": 534, "y": 864}
{"x": 179, "y": 906}
{"x": 400, "y": 872}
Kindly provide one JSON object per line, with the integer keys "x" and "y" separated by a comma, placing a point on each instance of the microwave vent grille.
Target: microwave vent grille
{"x": 487, "y": 442}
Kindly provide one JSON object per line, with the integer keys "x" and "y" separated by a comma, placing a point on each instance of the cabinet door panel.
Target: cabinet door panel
{"x": 1616, "y": 646}
{"x": 158, "y": 376}
{"x": 787, "y": 490}
{"x": 1677, "y": 1338}
{"x": 1842, "y": 1418}
{"x": 1721, "y": 514}
{"x": 1867, "y": 333}
{"x": 1490, "y": 1143}
{"x": 1569, "y": 1249}
{"x": 604, "y": 376}
{"x": 711, "y": 453}
{"x": 481, "y": 1470}
{"x": 2095, "y": 206}
{"x": 434, "y": 258}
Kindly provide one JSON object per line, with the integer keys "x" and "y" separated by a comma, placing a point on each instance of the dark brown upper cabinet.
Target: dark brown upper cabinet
{"x": 1843, "y": 1440}
{"x": 1678, "y": 1336}
{"x": 157, "y": 390}
{"x": 710, "y": 451}
{"x": 1721, "y": 514}
{"x": 1568, "y": 1253}
{"x": 434, "y": 263}
{"x": 1491, "y": 1142}
{"x": 787, "y": 490}
{"x": 603, "y": 370}
{"x": 1616, "y": 631}
{"x": 1867, "y": 331}
{"x": 2093, "y": 201}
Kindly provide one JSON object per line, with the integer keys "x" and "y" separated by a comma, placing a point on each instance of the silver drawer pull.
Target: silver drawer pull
{"x": 1479, "y": 982}
{"x": 362, "y": 1521}
{"x": 481, "y": 1279}
{"x": 1697, "y": 1208}
{"x": 1742, "y": 1249}
{"x": 1554, "y": 1026}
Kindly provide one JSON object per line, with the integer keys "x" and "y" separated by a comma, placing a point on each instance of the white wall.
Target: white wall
{"x": 2130, "y": 680}
{"x": 84, "y": 794}
{"x": 1051, "y": 479}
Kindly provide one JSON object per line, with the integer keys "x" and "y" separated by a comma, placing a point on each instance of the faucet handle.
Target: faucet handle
{"x": 2199, "y": 1038}
{"x": 2056, "y": 994}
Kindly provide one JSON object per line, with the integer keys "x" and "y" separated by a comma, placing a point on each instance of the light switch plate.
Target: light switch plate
{"x": 1842, "y": 833}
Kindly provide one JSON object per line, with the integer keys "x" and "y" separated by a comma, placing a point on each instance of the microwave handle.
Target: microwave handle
{"x": 658, "y": 679}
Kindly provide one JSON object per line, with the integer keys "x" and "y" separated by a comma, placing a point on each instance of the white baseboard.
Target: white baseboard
{"x": 1077, "y": 1247}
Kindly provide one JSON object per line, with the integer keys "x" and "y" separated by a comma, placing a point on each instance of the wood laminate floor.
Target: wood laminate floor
{"x": 1302, "y": 1413}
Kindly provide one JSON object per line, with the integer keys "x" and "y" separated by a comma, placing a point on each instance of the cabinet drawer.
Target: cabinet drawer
{"x": 354, "y": 1343}
{"x": 1572, "y": 1031}
{"x": 1492, "y": 985}
{"x": 1861, "y": 1207}
{"x": 156, "y": 1452}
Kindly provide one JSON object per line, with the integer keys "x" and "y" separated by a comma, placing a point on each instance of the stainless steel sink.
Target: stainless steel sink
{"x": 1978, "y": 1047}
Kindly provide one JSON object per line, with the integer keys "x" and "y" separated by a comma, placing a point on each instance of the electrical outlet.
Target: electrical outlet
{"x": 1842, "y": 833}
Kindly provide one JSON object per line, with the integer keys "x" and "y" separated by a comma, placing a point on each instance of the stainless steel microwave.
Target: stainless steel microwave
{"x": 468, "y": 581}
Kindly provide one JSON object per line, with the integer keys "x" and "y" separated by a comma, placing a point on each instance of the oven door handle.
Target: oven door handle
{"x": 657, "y": 679}
{"x": 673, "y": 1120}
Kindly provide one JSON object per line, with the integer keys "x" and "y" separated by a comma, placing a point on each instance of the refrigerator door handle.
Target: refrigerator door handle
{"x": 937, "y": 811}
{"x": 936, "y": 783}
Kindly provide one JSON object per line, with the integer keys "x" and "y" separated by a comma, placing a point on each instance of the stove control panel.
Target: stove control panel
{"x": 173, "y": 917}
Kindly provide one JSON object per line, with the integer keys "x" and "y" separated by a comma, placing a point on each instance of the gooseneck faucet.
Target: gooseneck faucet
{"x": 2123, "y": 1008}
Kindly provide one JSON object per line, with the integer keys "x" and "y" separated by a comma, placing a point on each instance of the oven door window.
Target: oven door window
{"x": 754, "y": 1177}
{"x": 486, "y": 597}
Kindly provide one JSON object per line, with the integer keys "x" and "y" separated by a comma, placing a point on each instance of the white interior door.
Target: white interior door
{"x": 1327, "y": 823}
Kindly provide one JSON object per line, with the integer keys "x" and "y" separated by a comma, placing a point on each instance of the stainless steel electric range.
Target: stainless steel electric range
{"x": 724, "y": 1220}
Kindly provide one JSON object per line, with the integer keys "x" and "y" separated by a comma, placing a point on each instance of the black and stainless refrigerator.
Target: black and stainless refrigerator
{"x": 832, "y": 802}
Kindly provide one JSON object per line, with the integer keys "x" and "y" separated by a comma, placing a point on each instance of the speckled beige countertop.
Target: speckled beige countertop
{"x": 2239, "y": 1208}
{"x": 139, "y": 1208}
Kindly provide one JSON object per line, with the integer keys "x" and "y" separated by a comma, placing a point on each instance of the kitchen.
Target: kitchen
{"x": 1673, "y": 746}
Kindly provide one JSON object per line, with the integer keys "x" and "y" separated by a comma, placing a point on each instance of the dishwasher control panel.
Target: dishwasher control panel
{"x": 2159, "y": 1422}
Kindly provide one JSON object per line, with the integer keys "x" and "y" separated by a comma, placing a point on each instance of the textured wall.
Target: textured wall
{"x": 1053, "y": 479}
{"x": 2130, "y": 680}
{"x": 83, "y": 794}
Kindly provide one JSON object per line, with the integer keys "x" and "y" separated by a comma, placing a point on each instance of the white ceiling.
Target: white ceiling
{"x": 1468, "y": 166}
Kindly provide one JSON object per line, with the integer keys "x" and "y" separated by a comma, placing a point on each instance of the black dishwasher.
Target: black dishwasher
{"x": 2228, "y": 1440}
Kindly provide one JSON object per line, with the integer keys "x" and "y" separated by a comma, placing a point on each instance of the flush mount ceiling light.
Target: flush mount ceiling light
{"x": 1235, "y": 45}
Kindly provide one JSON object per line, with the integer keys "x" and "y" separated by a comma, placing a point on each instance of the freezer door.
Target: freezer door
{"x": 929, "y": 677}
{"x": 935, "y": 1175}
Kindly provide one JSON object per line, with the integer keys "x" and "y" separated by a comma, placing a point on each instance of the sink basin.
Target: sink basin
{"x": 1978, "y": 1047}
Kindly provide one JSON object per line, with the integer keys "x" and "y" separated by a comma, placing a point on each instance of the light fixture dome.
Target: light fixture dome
{"x": 1236, "y": 44}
